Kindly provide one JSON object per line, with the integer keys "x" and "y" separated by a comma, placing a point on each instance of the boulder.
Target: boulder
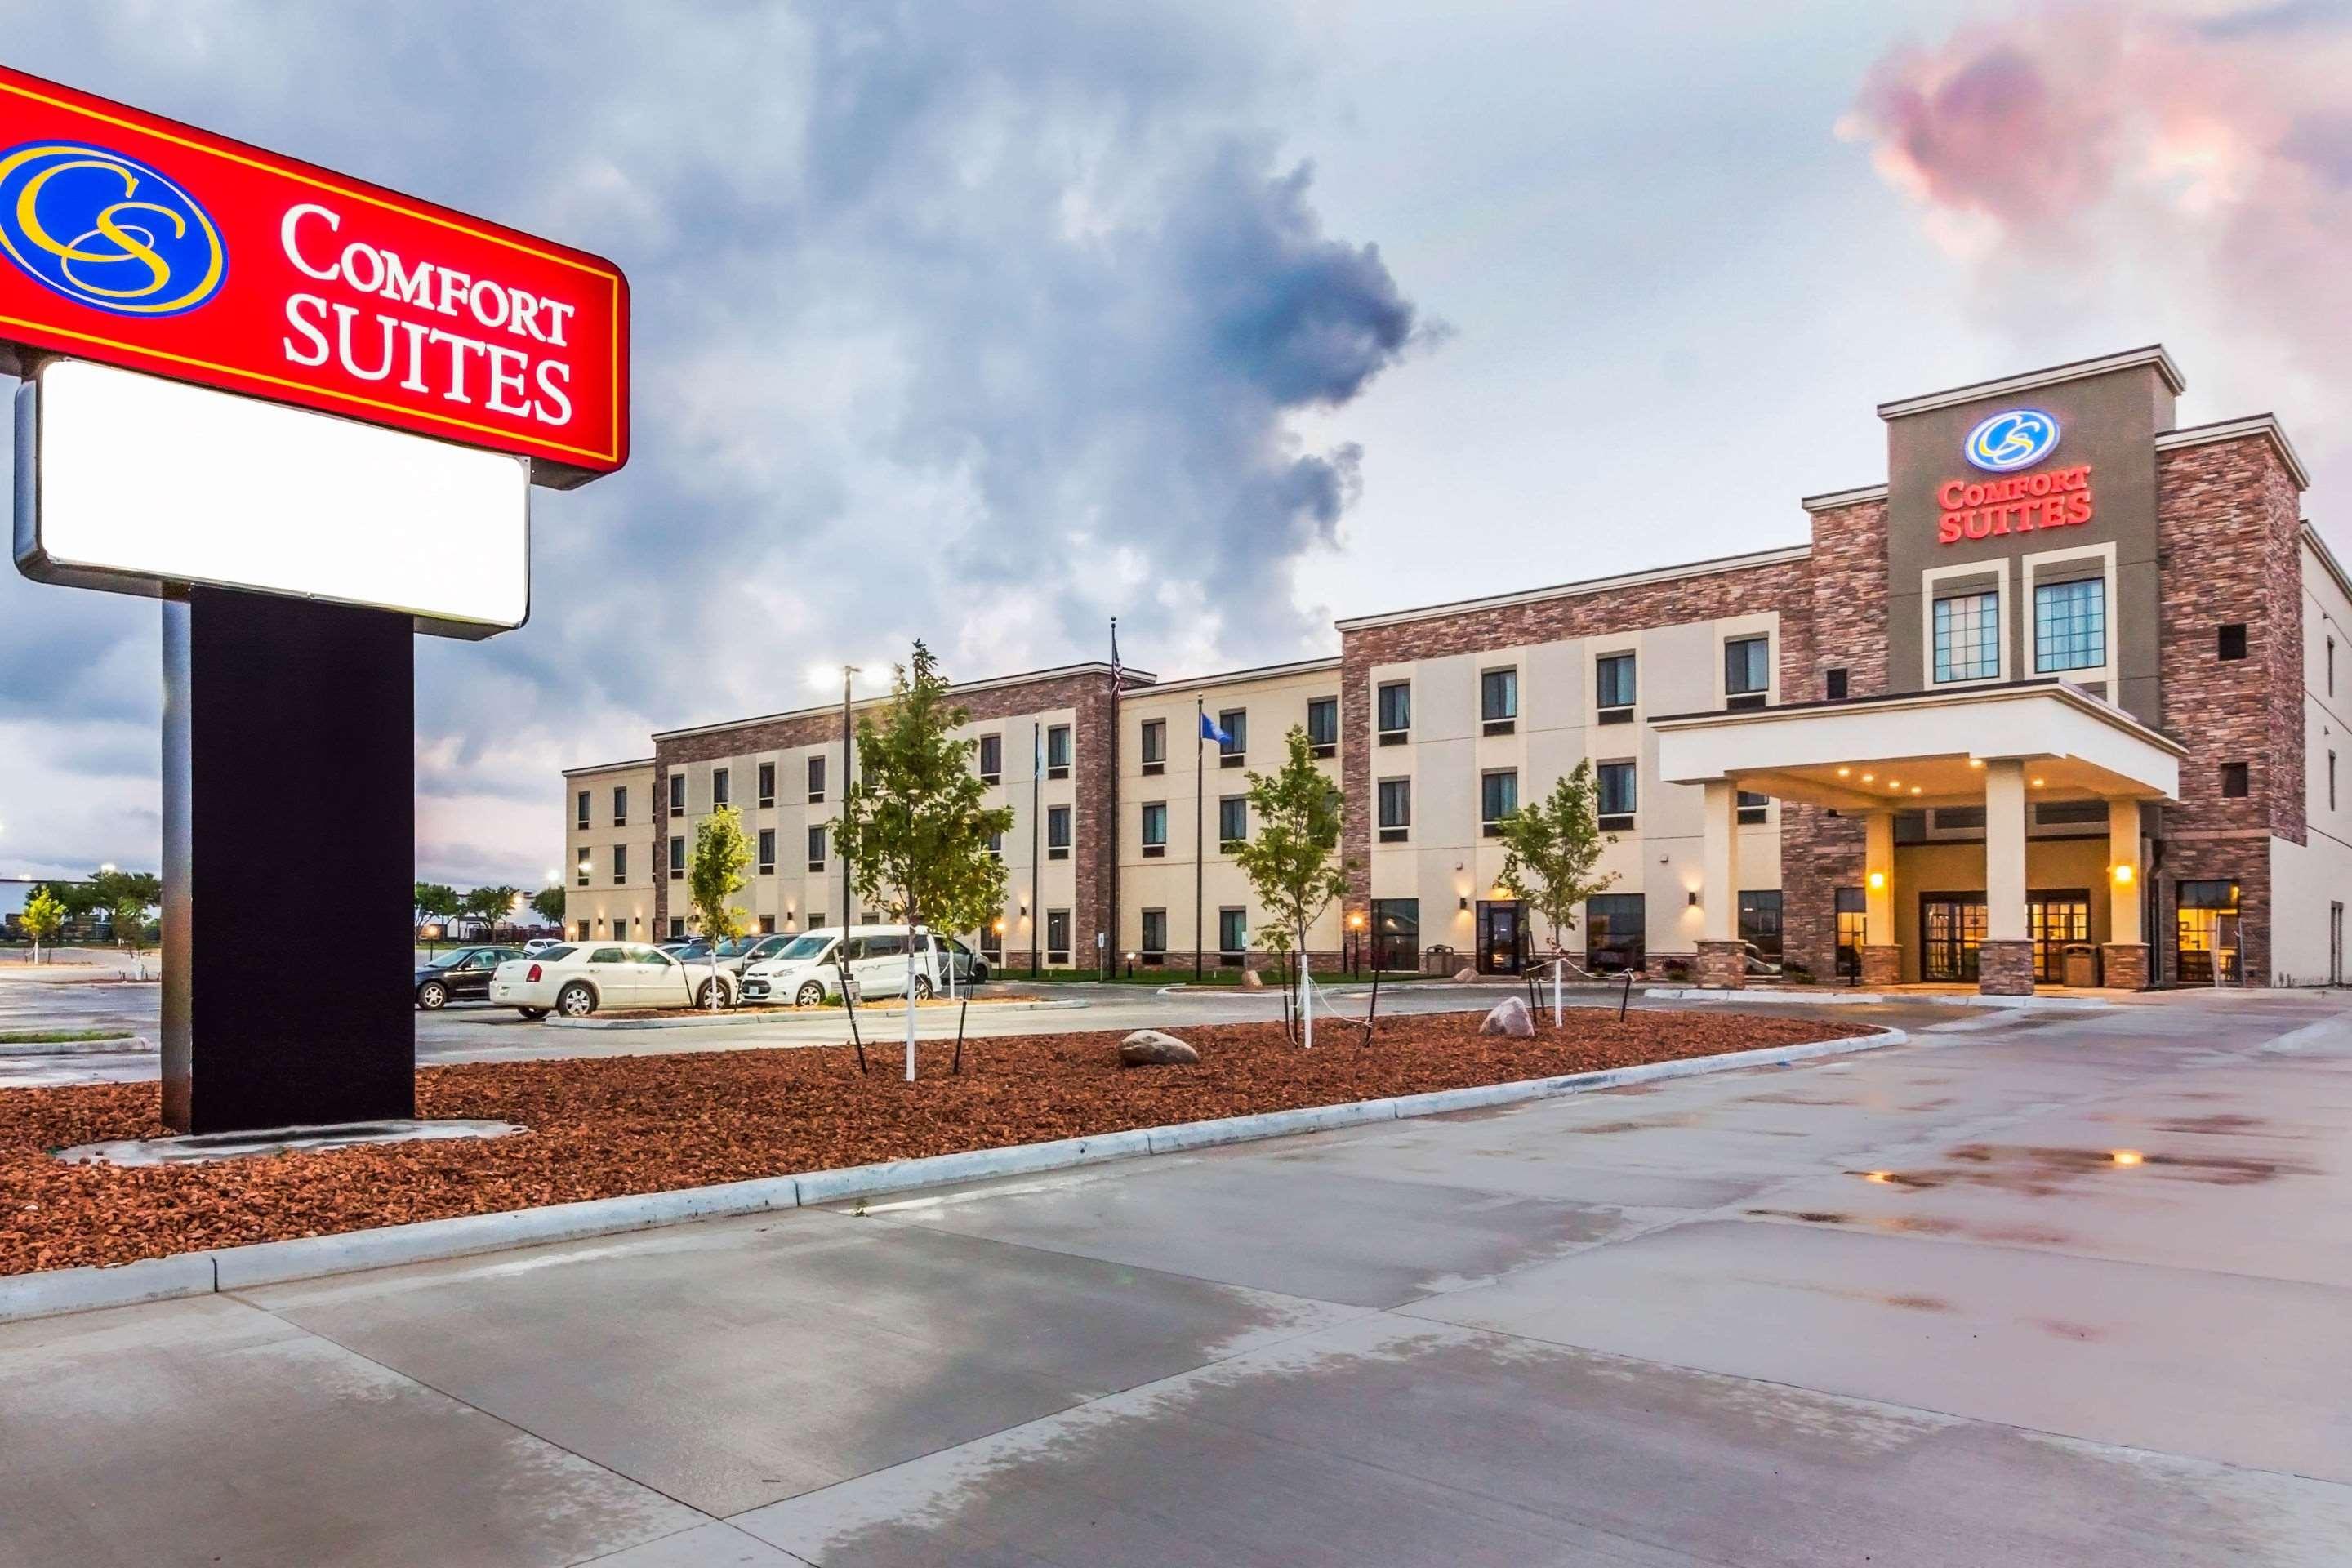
{"x": 1251, "y": 981}
{"x": 1149, "y": 1048}
{"x": 1465, "y": 972}
{"x": 1509, "y": 1018}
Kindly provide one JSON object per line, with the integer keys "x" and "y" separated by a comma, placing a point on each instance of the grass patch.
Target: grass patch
{"x": 59, "y": 1037}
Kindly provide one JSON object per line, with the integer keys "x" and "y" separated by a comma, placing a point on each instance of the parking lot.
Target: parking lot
{"x": 2060, "y": 1288}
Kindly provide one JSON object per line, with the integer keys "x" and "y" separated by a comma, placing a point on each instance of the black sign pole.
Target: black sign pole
{"x": 288, "y": 786}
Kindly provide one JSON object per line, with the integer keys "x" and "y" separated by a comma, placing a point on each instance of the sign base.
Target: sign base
{"x": 290, "y": 848}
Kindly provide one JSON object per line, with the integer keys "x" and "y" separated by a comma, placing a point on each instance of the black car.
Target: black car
{"x": 460, "y": 974}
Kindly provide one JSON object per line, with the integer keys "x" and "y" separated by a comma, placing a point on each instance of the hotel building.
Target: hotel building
{"x": 2058, "y": 700}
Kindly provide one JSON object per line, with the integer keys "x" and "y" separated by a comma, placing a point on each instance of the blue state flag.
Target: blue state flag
{"x": 1209, "y": 732}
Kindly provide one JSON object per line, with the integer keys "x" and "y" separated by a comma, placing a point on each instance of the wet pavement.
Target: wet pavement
{"x": 2065, "y": 1288}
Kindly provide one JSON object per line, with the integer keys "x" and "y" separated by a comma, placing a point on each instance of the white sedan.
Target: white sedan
{"x": 578, "y": 978}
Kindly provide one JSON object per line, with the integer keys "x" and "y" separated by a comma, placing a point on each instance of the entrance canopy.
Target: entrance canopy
{"x": 1925, "y": 748}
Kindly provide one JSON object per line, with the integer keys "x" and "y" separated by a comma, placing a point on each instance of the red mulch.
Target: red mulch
{"x": 635, "y": 1124}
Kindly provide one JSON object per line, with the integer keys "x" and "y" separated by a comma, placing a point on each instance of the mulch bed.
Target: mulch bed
{"x": 649, "y": 1123}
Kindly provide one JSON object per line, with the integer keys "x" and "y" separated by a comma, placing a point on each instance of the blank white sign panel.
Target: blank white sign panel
{"x": 145, "y": 481}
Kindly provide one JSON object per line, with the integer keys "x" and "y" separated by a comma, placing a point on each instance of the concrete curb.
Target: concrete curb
{"x": 112, "y": 1046}
{"x": 756, "y": 1012}
{"x": 1831, "y": 997}
{"x": 53, "y": 1292}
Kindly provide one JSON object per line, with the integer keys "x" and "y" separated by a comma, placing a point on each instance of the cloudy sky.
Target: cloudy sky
{"x": 984, "y": 322}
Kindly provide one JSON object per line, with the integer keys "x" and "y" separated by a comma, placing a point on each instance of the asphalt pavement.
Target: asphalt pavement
{"x": 2063, "y": 1289}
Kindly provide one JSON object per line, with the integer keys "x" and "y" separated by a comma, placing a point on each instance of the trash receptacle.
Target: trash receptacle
{"x": 2079, "y": 964}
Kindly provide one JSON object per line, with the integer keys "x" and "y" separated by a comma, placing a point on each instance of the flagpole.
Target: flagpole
{"x": 1200, "y": 839}
{"x": 1106, "y": 944}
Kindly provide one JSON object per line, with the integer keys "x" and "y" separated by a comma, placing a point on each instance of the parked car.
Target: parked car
{"x": 686, "y": 947}
{"x": 742, "y": 952}
{"x": 460, "y": 974}
{"x": 578, "y": 979}
{"x": 807, "y": 971}
{"x": 540, "y": 945}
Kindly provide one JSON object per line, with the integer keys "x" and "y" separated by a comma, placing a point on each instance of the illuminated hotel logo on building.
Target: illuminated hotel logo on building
{"x": 107, "y": 231}
{"x": 2008, "y": 442}
{"x": 2020, "y": 502}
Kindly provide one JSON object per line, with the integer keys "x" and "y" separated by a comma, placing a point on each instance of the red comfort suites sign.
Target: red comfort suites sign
{"x": 141, "y": 242}
{"x": 1980, "y": 509}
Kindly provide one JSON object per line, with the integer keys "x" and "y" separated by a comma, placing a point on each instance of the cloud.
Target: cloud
{"x": 952, "y": 320}
{"x": 2195, "y": 163}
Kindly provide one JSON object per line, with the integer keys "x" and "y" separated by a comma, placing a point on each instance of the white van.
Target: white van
{"x": 809, "y": 969}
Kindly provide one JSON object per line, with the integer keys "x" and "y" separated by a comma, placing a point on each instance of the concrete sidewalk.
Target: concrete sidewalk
{"x": 1907, "y": 1308}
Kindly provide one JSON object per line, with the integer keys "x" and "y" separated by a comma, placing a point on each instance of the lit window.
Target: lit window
{"x": 1968, "y": 638}
{"x": 2070, "y": 625}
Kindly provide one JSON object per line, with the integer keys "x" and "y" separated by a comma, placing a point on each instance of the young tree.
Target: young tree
{"x": 549, "y": 906}
{"x": 44, "y": 918}
{"x": 1551, "y": 855}
{"x": 1291, "y": 855}
{"x": 913, "y": 826}
{"x": 714, "y": 876}
{"x": 128, "y": 919}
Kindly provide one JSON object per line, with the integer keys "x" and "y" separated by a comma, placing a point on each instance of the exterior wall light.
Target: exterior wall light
{"x": 2122, "y": 875}
{"x": 1694, "y": 899}
{"x": 1878, "y": 878}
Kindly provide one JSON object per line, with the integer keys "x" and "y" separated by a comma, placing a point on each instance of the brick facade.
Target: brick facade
{"x": 1820, "y": 851}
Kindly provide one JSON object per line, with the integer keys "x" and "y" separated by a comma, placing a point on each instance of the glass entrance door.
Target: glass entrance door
{"x": 2205, "y": 934}
{"x": 1500, "y": 937}
{"x": 1951, "y": 928}
{"x": 2053, "y": 921}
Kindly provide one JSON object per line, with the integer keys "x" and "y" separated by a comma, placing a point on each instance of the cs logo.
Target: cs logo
{"x": 2008, "y": 442}
{"x": 107, "y": 231}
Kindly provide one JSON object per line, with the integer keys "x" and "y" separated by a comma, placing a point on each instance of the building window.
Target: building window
{"x": 992, "y": 758}
{"x": 767, "y": 925}
{"x": 583, "y": 930}
{"x": 2233, "y": 779}
{"x": 816, "y": 920}
{"x": 2331, "y": 780}
{"x": 1498, "y": 699}
{"x": 583, "y": 871}
{"x": 620, "y": 864}
{"x": 1968, "y": 638}
{"x": 1058, "y": 752}
{"x": 1751, "y": 808}
{"x": 584, "y": 808}
{"x": 1232, "y": 935}
{"x": 815, "y": 780}
{"x": 1058, "y": 936}
{"x": 1833, "y": 685}
{"x": 767, "y": 783}
{"x": 677, "y": 857}
{"x": 678, "y": 794}
{"x": 719, "y": 793}
{"x": 996, "y": 845}
{"x": 2205, "y": 932}
{"x": 1235, "y": 722}
{"x": 1155, "y": 936}
{"x": 1852, "y": 930}
{"x": 2070, "y": 625}
{"x": 1155, "y": 743}
{"x": 620, "y": 807}
{"x": 767, "y": 851}
{"x": 1396, "y": 712}
{"x": 1396, "y": 933}
{"x": 1396, "y": 810}
{"x": 1612, "y": 688}
{"x": 1057, "y": 832}
{"x": 2233, "y": 640}
{"x": 1747, "y": 667}
{"x": 816, "y": 848}
{"x": 1155, "y": 828}
{"x": 1323, "y": 725}
{"x": 1613, "y": 936}
{"x": 1233, "y": 822}
{"x": 677, "y": 926}
{"x": 1498, "y": 796}
{"x": 1760, "y": 921}
{"x": 2331, "y": 666}
{"x": 1614, "y": 795}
